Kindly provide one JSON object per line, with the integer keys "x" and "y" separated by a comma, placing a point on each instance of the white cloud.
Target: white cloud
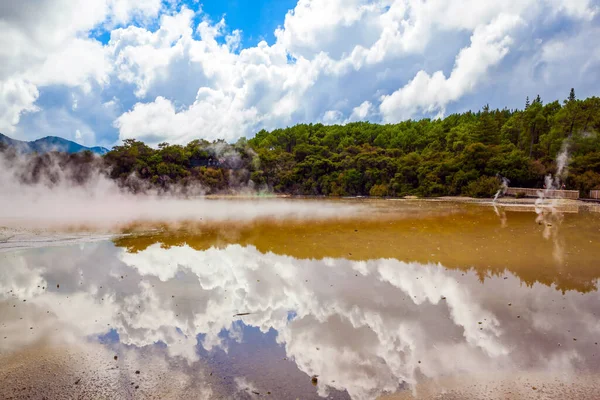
{"x": 142, "y": 57}
{"x": 240, "y": 93}
{"x": 333, "y": 61}
{"x": 331, "y": 26}
{"x": 45, "y": 43}
{"x": 332, "y": 117}
{"x": 432, "y": 93}
{"x": 361, "y": 112}
{"x": 79, "y": 63}
{"x": 122, "y": 11}
{"x": 569, "y": 56}
{"x": 16, "y": 97}
{"x": 214, "y": 115}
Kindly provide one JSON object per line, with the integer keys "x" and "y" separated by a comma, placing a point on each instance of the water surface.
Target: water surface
{"x": 405, "y": 300}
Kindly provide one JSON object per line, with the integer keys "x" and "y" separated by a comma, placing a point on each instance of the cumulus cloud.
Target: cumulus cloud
{"x": 431, "y": 93}
{"x": 216, "y": 114}
{"x": 46, "y": 43}
{"x": 16, "y": 97}
{"x": 361, "y": 112}
{"x": 332, "y": 61}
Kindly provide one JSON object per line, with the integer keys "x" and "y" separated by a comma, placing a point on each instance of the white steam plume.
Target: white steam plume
{"x": 548, "y": 214}
{"x": 503, "y": 188}
{"x": 54, "y": 201}
{"x": 562, "y": 162}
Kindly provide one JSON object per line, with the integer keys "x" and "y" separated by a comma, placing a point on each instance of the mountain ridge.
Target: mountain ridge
{"x": 50, "y": 143}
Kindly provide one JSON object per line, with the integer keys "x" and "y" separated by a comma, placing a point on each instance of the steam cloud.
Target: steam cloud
{"x": 503, "y": 188}
{"x": 548, "y": 214}
{"x": 47, "y": 194}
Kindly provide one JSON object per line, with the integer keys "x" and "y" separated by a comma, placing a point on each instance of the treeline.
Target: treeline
{"x": 462, "y": 154}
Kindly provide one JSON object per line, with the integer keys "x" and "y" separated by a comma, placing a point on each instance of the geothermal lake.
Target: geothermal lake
{"x": 374, "y": 299}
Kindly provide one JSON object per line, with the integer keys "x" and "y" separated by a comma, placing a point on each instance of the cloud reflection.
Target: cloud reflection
{"x": 365, "y": 327}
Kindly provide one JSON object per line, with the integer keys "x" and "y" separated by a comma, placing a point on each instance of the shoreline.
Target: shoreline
{"x": 456, "y": 199}
{"x": 14, "y": 237}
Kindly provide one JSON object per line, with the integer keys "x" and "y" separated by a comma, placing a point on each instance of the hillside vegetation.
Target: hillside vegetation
{"x": 461, "y": 154}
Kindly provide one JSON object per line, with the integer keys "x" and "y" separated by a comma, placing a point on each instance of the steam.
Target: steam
{"x": 547, "y": 212}
{"x": 503, "y": 188}
{"x": 562, "y": 171}
{"x": 57, "y": 196}
{"x": 562, "y": 163}
{"x": 555, "y": 183}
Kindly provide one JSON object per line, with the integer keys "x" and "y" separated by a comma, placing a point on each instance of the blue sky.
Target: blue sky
{"x": 257, "y": 19}
{"x": 173, "y": 73}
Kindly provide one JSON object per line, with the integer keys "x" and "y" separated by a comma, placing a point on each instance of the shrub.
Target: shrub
{"x": 485, "y": 186}
{"x": 379, "y": 191}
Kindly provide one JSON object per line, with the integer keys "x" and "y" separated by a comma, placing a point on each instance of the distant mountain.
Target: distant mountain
{"x": 49, "y": 143}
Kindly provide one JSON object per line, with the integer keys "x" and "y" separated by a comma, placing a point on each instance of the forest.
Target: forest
{"x": 462, "y": 154}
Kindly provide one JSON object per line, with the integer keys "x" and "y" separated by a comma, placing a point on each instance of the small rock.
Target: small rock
{"x": 314, "y": 380}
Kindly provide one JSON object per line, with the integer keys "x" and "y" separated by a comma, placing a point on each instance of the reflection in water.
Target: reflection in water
{"x": 501, "y": 215}
{"x": 366, "y": 327}
{"x": 551, "y": 216}
{"x": 563, "y": 251}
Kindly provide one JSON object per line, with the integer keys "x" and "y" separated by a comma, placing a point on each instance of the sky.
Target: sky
{"x": 101, "y": 71}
